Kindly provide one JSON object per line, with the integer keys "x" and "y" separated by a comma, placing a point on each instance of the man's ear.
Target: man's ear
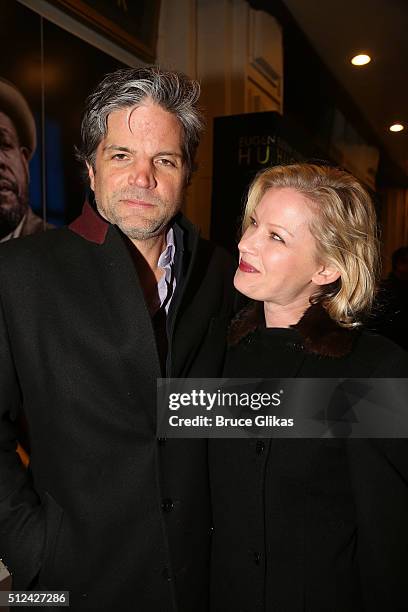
{"x": 91, "y": 175}
{"x": 325, "y": 275}
{"x": 25, "y": 157}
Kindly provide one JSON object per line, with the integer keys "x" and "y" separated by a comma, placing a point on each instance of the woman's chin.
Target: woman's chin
{"x": 241, "y": 286}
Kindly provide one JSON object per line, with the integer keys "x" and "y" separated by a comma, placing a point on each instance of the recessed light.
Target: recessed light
{"x": 361, "y": 60}
{"x": 396, "y": 127}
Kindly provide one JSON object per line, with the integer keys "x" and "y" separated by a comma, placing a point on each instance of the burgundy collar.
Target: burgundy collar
{"x": 90, "y": 225}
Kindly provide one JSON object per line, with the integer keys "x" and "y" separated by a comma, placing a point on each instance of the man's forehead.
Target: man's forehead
{"x": 147, "y": 114}
{"x": 143, "y": 125}
{"x": 6, "y": 124}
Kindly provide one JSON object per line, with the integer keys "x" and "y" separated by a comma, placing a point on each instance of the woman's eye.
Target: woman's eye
{"x": 276, "y": 237}
{"x": 252, "y": 221}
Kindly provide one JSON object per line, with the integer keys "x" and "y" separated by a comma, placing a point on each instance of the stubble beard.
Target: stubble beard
{"x": 13, "y": 207}
{"x": 151, "y": 227}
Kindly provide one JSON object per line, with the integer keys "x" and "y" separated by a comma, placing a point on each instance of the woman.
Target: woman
{"x": 317, "y": 525}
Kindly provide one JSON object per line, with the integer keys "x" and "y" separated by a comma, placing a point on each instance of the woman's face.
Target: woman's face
{"x": 278, "y": 253}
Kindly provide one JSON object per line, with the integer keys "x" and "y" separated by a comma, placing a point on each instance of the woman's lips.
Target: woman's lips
{"x": 245, "y": 267}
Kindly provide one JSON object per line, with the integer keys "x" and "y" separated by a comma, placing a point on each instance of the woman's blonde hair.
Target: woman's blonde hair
{"x": 344, "y": 228}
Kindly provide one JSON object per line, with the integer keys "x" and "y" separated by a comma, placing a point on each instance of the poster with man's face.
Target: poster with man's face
{"x": 52, "y": 71}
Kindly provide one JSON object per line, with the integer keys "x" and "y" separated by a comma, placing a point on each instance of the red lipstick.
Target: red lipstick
{"x": 245, "y": 267}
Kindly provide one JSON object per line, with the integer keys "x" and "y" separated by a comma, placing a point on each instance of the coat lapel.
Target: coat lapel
{"x": 128, "y": 316}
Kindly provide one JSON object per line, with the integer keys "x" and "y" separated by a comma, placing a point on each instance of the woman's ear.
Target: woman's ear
{"x": 325, "y": 275}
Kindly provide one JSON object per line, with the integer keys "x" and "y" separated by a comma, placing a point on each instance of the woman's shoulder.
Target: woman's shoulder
{"x": 328, "y": 349}
{"x": 381, "y": 355}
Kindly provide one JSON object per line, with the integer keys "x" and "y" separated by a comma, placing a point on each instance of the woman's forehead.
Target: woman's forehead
{"x": 284, "y": 205}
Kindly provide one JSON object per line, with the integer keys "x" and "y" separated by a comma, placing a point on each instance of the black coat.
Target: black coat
{"x": 106, "y": 511}
{"x": 307, "y": 525}
{"x": 390, "y": 317}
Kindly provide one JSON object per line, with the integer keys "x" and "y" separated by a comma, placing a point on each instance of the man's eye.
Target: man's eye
{"x": 163, "y": 161}
{"x": 119, "y": 156}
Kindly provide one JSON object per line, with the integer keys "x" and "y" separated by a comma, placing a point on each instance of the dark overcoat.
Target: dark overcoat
{"x": 311, "y": 525}
{"x": 106, "y": 510}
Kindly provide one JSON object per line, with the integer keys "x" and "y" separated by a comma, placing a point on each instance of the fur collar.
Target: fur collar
{"x": 323, "y": 336}
{"x": 320, "y": 335}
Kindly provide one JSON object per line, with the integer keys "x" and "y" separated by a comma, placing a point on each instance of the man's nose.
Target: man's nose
{"x": 142, "y": 175}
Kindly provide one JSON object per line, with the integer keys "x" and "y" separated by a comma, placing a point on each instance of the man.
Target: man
{"x": 100, "y": 310}
{"x": 17, "y": 146}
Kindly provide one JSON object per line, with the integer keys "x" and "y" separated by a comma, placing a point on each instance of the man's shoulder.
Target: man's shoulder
{"x": 217, "y": 251}
{"x": 42, "y": 247}
{"x": 381, "y": 355}
{"x": 203, "y": 247}
{"x": 213, "y": 263}
{"x": 36, "y": 241}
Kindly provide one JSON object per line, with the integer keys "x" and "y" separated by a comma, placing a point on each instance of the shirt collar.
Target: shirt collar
{"x": 15, "y": 233}
{"x": 166, "y": 258}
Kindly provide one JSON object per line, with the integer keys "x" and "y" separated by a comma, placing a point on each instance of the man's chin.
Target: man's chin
{"x": 11, "y": 213}
{"x": 8, "y": 200}
{"x": 144, "y": 230}
{"x": 143, "y": 233}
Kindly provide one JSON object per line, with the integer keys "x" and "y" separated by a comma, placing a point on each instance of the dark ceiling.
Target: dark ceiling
{"x": 337, "y": 30}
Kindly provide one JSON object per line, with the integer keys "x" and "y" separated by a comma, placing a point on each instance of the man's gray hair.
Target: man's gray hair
{"x": 124, "y": 88}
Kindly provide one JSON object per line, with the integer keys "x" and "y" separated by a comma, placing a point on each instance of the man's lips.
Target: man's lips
{"x": 6, "y": 185}
{"x": 137, "y": 203}
{"x": 245, "y": 267}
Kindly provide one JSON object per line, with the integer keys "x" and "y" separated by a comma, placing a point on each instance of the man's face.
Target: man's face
{"x": 13, "y": 177}
{"x": 139, "y": 173}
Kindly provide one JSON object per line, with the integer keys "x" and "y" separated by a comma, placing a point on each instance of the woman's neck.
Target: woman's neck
{"x": 277, "y": 315}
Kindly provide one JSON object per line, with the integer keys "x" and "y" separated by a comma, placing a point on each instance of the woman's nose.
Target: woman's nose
{"x": 248, "y": 244}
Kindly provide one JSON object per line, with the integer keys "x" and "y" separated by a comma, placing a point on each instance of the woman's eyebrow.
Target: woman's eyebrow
{"x": 281, "y": 227}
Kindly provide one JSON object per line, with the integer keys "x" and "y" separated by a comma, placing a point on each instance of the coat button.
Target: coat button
{"x": 166, "y": 574}
{"x": 260, "y": 447}
{"x": 161, "y": 441}
{"x": 167, "y": 505}
{"x": 257, "y": 558}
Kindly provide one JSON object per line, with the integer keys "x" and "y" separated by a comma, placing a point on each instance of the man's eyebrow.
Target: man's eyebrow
{"x": 173, "y": 153}
{"x": 6, "y": 131}
{"x": 114, "y": 147}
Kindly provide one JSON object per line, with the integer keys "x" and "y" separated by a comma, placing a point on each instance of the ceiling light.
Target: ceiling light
{"x": 396, "y": 127}
{"x": 361, "y": 60}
